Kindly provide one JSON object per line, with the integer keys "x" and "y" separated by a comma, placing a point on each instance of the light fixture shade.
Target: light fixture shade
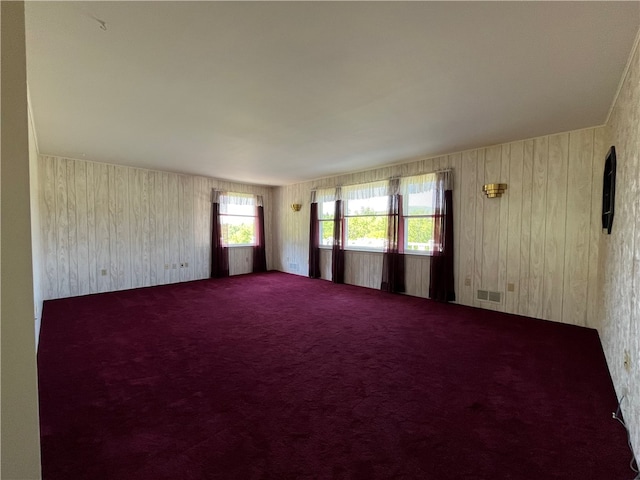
{"x": 493, "y": 190}
{"x": 296, "y": 207}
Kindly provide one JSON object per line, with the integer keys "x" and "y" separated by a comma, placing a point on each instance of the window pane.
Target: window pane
{"x": 419, "y": 234}
{"x": 366, "y": 232}
{"x": 326, "y": 232}
{"x": 233, "y": 209}
{"x": 327, "y": 210}
{"x": 367, "y": 206}
{"x": 419, "y": 203}
{"x": 238, "y": 230}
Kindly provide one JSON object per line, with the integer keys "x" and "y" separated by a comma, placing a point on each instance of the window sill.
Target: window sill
{"x": 363, "y": 249}
{"x": 415, "y": 253}
{"x": 418, "y": 253}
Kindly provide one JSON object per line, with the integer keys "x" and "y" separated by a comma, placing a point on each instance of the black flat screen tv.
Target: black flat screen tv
{"x": 609, "y": 190}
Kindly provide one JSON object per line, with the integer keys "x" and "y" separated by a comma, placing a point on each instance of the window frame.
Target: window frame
{"x": 406, "y": 217}
{"x": 411, "y": 185}
{"x": 329, "y": 221}
{"x": 360, "y": 248}
{"x": 384, "y": 214}
{"x": 320, "y": 244}
{"x": 234, "y": 215}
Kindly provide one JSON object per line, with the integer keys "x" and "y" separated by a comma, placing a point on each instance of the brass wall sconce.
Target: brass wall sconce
{"x": 296, "y": 207}
{"x": 493, "y": 190}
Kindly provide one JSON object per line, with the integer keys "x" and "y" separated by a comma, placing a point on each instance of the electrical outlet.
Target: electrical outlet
{"x": 627, "y": 361}
{"x": 467, "y": 282}
{"x": 166, "y": 266}
{"x": 103, "y": 272}
{"x": 511, "y": 287}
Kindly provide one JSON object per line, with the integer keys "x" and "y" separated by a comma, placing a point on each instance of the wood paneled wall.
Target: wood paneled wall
{"x": 541, "y": 237}
{"x": 620, "y": 253}
{"x": 110, "y": 227}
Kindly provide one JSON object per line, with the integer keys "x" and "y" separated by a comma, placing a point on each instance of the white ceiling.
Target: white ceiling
{"x": 277, "y": 93}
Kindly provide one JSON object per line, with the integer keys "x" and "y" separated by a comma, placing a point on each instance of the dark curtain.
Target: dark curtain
{"x": 441, "y": 279}
{"x": 393, "y": 259}
{"x": 314, "y": 242}
{"x": 259, "y": 252}
{"x": 219, "y": 253}
{"x": 337, "y": 257}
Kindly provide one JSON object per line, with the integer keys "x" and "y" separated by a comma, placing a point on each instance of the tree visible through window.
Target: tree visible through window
{"x": 238, "y": 219}
{"x": 325, "y": 218}
{"x": 418, "y": 198}
{"x": 366, "y": 222}
{"x": 366, "y": 210}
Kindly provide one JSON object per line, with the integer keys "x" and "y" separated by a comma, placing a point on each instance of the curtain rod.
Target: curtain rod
{"x": 442, "y": 170}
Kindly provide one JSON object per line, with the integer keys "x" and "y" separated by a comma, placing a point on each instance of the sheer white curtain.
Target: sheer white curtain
{"x": 364, "y": 191}
{"x": 321, "y": 195}
{"x": 417, "y": 184}
{"x": 237, "y": 203}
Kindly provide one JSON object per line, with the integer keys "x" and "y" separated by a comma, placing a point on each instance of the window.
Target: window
{"x": 366, "y": 223}
{"x": 419, "y": 213}
{"x": 366, "y": 214}
{"x": 326, "y": 210}
{"x": 366, "y": 208}
{"x": 238, "y": 219}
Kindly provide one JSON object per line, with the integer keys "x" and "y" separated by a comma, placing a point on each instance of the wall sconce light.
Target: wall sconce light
{"x": 296, "y": 207}
{"x": 493, "y": 190}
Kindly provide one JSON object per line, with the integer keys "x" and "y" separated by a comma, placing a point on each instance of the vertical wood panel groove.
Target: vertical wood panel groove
{"x": 91, "y": 229}
{"x": 514, "y": 228}
{"x": 82, "y": 218}
{"x": 72, "y": 228}
{"x": 479, "y": 227}
{"x": 113, "y": 229}
{"x": 62, "y": 227}
{"x": 503, "y": 226}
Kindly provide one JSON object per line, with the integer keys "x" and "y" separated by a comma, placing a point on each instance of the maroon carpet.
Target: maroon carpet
{"x": 275, "y": 376}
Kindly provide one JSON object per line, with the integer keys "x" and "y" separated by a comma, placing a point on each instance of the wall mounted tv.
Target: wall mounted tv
{"x": 609, "y": 189}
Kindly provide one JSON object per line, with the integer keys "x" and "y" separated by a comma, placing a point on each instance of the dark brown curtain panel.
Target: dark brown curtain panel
{"x": 259, "y": 250}
{"x": 219, "y": 253}
{"x": 393, "y": 259}
{"x": 441, "y": 286}
{"x": 314, "y": 242}
{"x": 337, "y": 257}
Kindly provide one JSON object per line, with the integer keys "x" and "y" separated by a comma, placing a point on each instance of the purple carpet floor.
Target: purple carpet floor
{"x": 275, "y": 377}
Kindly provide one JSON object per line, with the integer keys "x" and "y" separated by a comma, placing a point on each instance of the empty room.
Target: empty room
{"x": 320, "y": 240}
